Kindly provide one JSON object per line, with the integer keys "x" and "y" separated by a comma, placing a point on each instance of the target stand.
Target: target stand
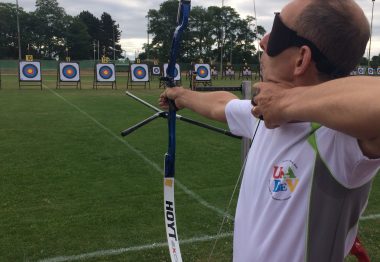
{"x": 228, "y": 72}
{"x": 246, "y": 73}
{"x": 138, "y": 76}
{"x": 156, "y": 72}
{"x": 177, "y": 76}
{"x": 104, "y": 75}
{"x": 361, "y": 70}
{"x": 68, "y": 75}
{"x": 29, "y": 73}
{"x": 201, "y": 76}
{"x": 214, "y": 72}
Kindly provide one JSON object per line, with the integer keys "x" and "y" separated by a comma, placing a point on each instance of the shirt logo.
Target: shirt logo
{"x": 284, "y": 180}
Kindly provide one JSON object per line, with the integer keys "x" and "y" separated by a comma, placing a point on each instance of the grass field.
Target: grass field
{"x": 73, "y": 189}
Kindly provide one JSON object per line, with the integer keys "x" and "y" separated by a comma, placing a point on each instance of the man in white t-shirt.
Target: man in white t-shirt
{"x": 309, "y": 170}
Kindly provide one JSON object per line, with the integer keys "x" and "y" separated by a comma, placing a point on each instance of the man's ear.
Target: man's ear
{"x": 303, "y": 60}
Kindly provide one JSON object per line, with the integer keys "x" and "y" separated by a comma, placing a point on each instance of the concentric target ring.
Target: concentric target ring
{"x": 105, "y": 72}
{"x": 69, "y": 71}
{"x": 139, "y": 72}
{"x": 202, "y": 72}
{"x": 156, "y": 70}
{"x": 30, "y": 71}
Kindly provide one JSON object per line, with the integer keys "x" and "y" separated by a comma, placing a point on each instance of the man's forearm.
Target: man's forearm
{"x": 350, "y": 105}
{"x": 210, "y": 104}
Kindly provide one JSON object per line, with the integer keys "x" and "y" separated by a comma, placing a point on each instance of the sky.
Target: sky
{"x": 131, "y": 16}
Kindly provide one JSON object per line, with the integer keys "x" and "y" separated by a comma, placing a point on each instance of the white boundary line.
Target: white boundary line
{"x": 143, "y": 157}
{"x": 113, "y": 252}
{"x": 370, "y": 217}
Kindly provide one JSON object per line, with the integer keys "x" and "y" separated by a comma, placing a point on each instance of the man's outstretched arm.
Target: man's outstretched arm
{"x": 350, "y": 105}
{"x": 209, "y": 104}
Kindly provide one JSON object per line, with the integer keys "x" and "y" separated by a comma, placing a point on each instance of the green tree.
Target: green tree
{"x": 92, "y": 23}
{"x": 375, "y": 61}
{"x": 209, "y": 29}
{"x": 52, "y": 25}
{"x": 110, "y": 36}
{"x": 199, "y": 39}
{"x": 78, "y": 40}
{"x": 162, "y": 24}
{"x": 8, "y": 30}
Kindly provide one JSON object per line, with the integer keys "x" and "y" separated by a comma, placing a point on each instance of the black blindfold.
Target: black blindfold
{"x": 282, "y": 37}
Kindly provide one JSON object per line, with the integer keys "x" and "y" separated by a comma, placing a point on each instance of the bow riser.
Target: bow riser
{"x": 170, "y": 219}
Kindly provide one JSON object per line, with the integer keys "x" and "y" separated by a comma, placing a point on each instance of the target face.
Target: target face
{"x": 203, "y": 72}
{"x": 370, "y": 71}
{"x": 247, "y": 72}
{"x": 105, "y": 73}
{"x": 378, "y": 71}
{"x": 139, "y": 72}
{"x": 30, "y": 71}
{"x": 69, "y": 72}
{"x": 361, "y": 70}
{"x": 177, "y": 76}
{"x": 156, "y": 70}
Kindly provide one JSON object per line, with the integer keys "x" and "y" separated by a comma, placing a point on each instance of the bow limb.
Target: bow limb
{"x": 170, "y": 218}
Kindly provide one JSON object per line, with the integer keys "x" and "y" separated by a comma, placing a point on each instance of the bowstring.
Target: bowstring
{"x": 246, "y": 157}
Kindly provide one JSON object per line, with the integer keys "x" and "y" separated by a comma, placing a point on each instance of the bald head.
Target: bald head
{"x": 338, "y": 28}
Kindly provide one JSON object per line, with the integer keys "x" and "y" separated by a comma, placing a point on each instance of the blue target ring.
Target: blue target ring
{"x": 30, "y": 71}
{"x": 202, "y": 72}
{"x": 105, "y": 72}
{"x": 69, "y": 71}
{"x": 156, "y": 70}
{"x": 139, "y": 72}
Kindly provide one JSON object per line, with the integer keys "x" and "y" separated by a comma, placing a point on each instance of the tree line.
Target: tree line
{"x": 48, "y": 32}
{"x": 212, "y": 32}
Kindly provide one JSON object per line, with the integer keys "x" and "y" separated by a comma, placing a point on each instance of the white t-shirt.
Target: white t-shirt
{"x": 277, "y": 203}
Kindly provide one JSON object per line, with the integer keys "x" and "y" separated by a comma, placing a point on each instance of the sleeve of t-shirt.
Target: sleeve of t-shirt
{"x": 345, "y": 159}
{"x": 240, "y": 120}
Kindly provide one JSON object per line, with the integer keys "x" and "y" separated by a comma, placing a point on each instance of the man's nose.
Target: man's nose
{"x": 264, "y": 42}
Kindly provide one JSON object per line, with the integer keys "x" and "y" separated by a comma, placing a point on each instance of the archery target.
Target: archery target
{"x": 378, "y": 71}
{"x": 69, "y": 72}
{"x": 140, "y": 73}
{"x": 30, "y": 71}
{"x": 156, "y": 70}
{"x": 177, "y": 75}
{"x": 361, "y": 70}
{"x": 203, "y": 72}
{"x": 105, "y": 73}
{"x": 370, "y": 71}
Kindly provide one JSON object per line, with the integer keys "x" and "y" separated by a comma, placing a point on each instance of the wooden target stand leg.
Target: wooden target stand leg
{"x": 131, "y": 83}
